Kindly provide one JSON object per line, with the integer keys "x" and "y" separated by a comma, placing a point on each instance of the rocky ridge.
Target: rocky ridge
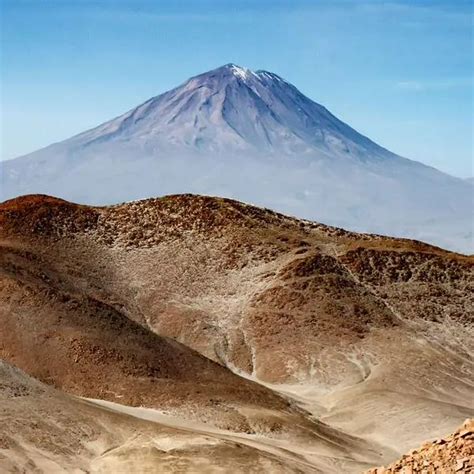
{"x": 453, "y": 454}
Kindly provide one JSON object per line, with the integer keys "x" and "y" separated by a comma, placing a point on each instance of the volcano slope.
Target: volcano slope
{"x": 242, "y": 319}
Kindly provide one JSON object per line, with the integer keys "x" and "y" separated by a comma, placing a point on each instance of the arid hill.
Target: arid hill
{"x": 244, "y": 319}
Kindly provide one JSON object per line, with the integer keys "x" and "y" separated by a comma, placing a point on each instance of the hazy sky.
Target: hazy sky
{"x": 400, "y": 72}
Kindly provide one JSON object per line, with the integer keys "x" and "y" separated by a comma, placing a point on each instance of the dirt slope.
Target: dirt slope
{"x": 43, "y": 430}
{"x": 362, "y": 331}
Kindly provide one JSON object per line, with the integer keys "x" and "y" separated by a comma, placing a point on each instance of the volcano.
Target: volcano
{"x": 252, "y": 136}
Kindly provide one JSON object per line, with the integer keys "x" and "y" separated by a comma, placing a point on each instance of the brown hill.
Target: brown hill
{"x": 362, "y": 331}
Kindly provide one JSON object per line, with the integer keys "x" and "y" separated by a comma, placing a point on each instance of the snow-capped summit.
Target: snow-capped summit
{"x": 238, "y": 71}
{"x": 246, "y": 74}
{"x": 253, "y": 136}
{"x": 233, "y": 109}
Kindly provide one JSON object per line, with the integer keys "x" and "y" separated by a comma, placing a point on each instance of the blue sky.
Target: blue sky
{"x": 399, "y": 72}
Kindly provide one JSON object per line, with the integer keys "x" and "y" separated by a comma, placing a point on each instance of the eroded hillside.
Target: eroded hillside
{"x": 241, "y": 318}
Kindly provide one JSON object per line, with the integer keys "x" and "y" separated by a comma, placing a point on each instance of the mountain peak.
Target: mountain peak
{"x": 244, "y": 73}
{"x": 230, "y": 110}
{"x": 230, "y": 70}
{"x": 239, "y": 71}
{"x": 227, "y": 111}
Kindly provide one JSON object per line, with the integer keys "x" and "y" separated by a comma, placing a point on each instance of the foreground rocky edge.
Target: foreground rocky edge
{"x": 451, "y": 454}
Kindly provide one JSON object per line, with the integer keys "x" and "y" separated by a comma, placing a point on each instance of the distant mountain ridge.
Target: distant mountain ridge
{"x": 251, "y": 136}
